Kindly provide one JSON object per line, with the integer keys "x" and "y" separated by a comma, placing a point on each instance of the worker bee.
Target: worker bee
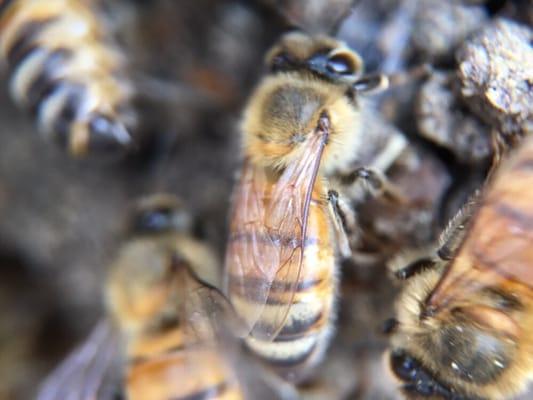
{"x": 464, "y": 319}
{"x": 163, "y": 316}
{"x": 302, "y": 126}
{"x": 64, "y": 71}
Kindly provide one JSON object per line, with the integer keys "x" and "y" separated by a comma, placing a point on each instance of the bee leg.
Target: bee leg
{"x": 448, "y": 244}
{"x": 415, "y": 267}
{"x": 452, "y": 237}
{"x": 375, "y": 183}
{"x": 343, "y": 221}
{"x": 376, "y": 83}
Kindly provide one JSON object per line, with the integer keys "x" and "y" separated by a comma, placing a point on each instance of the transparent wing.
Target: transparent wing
{"x": 84, "y": 373}
{"x": 498, "y": 249}
{"x": 207, "y": 313}
{"x": 199, "y": 368}
{"x": 286, "y": 221}
{"x": 250, "y": 263}
{"x": 267, "y": 239}
{"x": 214, "y": 358}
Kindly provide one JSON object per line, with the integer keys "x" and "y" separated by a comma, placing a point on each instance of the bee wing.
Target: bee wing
{"x": 250, "y": 264}
{"x": 206, "y": 318}
{"x": 84, "y": 373}
{"x": 499, "y": 246}
{"x": 207, "y": 312}
{"x": 267, "y": 238}
{"x": 212, "y": 358}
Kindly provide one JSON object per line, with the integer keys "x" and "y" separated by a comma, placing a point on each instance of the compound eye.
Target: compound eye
{"x": 404, "y": 366}
{"x": 280, "y": 62}
{"x": 341, "y": 65}
{"x": 153, "y": 221}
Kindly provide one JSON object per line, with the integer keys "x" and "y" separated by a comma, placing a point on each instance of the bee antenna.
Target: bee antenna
{"x": 371, "y": 84}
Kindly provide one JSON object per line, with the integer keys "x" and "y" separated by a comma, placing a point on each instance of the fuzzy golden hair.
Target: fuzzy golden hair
{"x": 286, "y": 106}
{"x": 433, "y": 339}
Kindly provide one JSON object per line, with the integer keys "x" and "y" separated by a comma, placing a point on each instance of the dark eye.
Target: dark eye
{"x": 154, "y": 220}
{"x": 417, "y": 379}
{"x": 341, "y": 65}
{"x": 404, "y": 366}
{"x": 280, "y": 62}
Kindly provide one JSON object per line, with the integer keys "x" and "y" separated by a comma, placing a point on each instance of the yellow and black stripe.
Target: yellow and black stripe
{"x": 302, "y": 340}
{"x": 188, "y": 374}
{"x": 169, "y": 364}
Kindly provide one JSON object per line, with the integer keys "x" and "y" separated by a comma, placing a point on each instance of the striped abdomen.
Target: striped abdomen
{"x": 304, "y": 336}
{"x": 64, "y": 73}
{"x": 163, "y": 368}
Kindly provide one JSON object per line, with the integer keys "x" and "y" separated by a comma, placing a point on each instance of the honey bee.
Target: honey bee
{"x": 66, "y": 74}
{"x": 302, "y": 126}
{"x": 464, "y": 318}
{"x": 163, "y": 318}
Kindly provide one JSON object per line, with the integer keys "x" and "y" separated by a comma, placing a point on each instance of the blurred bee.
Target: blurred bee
{"x": 163, "y": 314}
{"x": 464, "y": 319}
{"x": 302, "y": 126}
{"x": 65, "y": 73}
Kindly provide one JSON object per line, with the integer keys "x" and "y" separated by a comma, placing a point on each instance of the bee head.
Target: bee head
{"x": 452, "y": 361}
{"x": 454, "y": 353}
{"x": 310, "y": 76}
{"x": 321, "y": 56}
{"x": 467, "y": 349}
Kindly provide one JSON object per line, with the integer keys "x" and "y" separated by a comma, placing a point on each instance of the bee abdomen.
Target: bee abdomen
{"x": 284, "y": 354}
{"x": 296, "y": 349}
{"x": 304, "y": 335}
{"x": 64, "y": 73}
{"x": 296, "y": 341}
{"x": 185, "y": 374}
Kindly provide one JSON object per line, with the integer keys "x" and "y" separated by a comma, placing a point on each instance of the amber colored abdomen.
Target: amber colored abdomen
{"x": 186, "y": 374}
{"x": 305, "y": 331}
